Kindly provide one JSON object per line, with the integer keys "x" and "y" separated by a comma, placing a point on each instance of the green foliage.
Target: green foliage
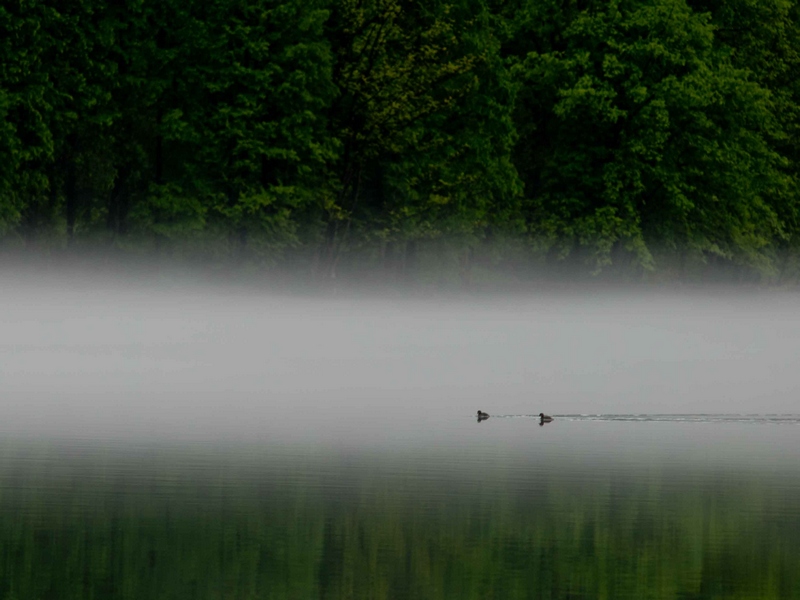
{"x": 424, "y": 114}
{"x": 255, "y": 84}
{"x": 605, "y": 134}
{"x": 25, "y": 138}
{"x": 764, "y": 38}
{"x": 646, "y": 135}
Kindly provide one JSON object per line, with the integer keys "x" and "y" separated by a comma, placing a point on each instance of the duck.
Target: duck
{"x": 545, "y": 418}
{"x": 483, "y": 415}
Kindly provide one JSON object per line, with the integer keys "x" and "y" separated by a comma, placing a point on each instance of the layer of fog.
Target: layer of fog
{"x": 95, "y": 357}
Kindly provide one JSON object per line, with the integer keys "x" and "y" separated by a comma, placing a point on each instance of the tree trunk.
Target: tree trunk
{"x": 71, "y": 187}
{"x": 118, "y": 199}
{"x": 465, "y": 268}
{"x": 410, "y": 263}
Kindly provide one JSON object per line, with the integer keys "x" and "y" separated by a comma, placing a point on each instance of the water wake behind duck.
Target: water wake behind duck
{"x": 769, "y": 419}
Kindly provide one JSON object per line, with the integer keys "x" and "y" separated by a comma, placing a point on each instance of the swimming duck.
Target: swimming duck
{"x": 544, "y": 418}
{"x": 483, "y": 415}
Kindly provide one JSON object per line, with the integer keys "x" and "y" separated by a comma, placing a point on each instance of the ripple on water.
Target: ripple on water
{"x": 768, "y": 419}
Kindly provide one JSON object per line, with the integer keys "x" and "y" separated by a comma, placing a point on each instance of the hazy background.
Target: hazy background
{"x": 105, "y": 357}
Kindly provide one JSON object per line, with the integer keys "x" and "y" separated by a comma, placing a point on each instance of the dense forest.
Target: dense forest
{"x": 643, "y": 138}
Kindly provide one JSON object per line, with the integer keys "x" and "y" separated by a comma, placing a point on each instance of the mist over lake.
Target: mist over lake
{"x": 175, "y": 439}
{"x": 102, "y": 357}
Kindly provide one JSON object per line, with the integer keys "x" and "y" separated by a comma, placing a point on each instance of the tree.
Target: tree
{"x": 644, "y": 136}
{"x": 26, "y": 141}
{"x": 424, "y": 118}
{"x": 57, "y": 90}
{"x": 764, "y": 38}
{"x": 254, "y": 83}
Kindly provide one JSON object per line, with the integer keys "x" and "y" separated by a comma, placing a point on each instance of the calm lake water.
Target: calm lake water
{"x": 504, "y": 508}
{"x": 184, "y": 445}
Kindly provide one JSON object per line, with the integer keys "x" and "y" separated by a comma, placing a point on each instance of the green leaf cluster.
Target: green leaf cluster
{"x": 645, "y": 135}
{"x": 641, "y": 136}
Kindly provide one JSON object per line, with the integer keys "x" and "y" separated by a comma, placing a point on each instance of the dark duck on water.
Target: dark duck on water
{"x": 482, "y": 416}
{"x": 543, "y": 418}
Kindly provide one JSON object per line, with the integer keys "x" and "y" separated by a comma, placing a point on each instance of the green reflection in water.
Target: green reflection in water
{"x": 293, "y": 523}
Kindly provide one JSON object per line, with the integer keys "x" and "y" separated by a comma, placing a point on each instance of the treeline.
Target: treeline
{"x": 633, "y": 136}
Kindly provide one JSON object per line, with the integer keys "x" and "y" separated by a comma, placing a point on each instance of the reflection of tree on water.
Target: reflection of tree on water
{"x": 333, "y": 528}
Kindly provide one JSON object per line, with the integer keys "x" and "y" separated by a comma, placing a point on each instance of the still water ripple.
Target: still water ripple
{"x": 503, "y": 509}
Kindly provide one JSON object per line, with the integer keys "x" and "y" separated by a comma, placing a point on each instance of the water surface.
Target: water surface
{"x": 574, "y": 509}
{"x": 192, "y": 443}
